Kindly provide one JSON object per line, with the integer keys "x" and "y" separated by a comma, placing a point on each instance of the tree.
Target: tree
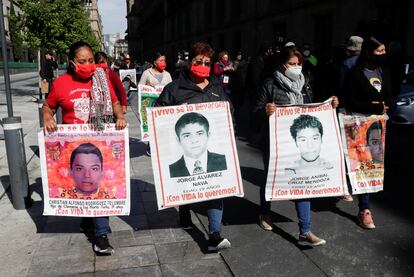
{"x": 16, "y": 36}
{"x": 55, "y": 24}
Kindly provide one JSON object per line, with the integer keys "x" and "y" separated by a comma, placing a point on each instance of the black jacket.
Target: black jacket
{"x": 215, "y": 162}
{"x": 184, "y": 91}
{"x": 359, "y": 93}
{"x": 46, "y": 69}
{"x": 271, "y": 91}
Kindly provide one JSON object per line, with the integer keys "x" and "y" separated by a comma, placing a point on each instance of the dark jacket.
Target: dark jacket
{"x": 46, "y": 69}
{"x": 359, "y": 93}
{"x": 184, "y": 91}
{"x": 271, "y": 91}
{"x": 215, "y": 162}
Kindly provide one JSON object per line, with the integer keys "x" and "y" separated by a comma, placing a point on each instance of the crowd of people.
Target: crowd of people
{"x": 356, "y": 78}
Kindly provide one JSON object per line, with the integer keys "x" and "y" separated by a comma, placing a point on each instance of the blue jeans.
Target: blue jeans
{"x": 214, "y": 213}
{"x": 363, "y": 200}
{"x": 303, "y": 213}
{"x": 101, "y": 225}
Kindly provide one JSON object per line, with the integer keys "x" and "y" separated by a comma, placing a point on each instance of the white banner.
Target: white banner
{"x": 194, "y": 154}
{"x": 306, "y": 157}
{"x": 85, "y": 172}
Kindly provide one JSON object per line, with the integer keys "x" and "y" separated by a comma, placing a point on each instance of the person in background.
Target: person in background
{"x": 222, "y": 70}
{"x": 369, "y": 91}
{"x": 197, "y": 86}
{"x": 239, "y": 81}
{"x": 127, "y": 63}
{"x": 181, "y": 64}
{"x": 353, "y": 48}
{"x": 287, "y": 86}
{"x": 156, "y": 75}
{"x": 46, "y": 71}
{"x": 101, "y": 61}
{"x": 79, "y": 93}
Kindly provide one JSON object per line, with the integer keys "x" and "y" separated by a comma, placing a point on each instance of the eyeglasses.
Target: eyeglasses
{"x": 205, "y": 63}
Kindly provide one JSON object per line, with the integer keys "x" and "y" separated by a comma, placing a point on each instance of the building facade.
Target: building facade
{"x": 6, "y": 12}
{"x": 241, "y": 25}
{"x": 95, "y": 20}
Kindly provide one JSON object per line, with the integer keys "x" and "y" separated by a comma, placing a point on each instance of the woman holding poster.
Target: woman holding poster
{"x": 197, "y": 86}
{"x": 287, "y": 86}
{"x": 85, "y": 96}
{"x": 156, "y": 76}
{"x": 368, "y": 91}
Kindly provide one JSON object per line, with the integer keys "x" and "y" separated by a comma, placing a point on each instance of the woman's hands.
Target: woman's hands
{"x": 335, "y": 101}
{"x": 120, "y": 123}
{"x": 49, "y": 124}
{"x": 270, "y": 108}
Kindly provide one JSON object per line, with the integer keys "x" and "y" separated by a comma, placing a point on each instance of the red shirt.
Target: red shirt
{"x": 119, "y": 88}
{"x": 72, "y": 94}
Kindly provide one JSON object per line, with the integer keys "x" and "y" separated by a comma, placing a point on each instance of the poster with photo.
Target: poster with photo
{"x": 146, "y": 98}
{"x": 85, "y": 173}
{"x": 128, "y": 78}
{"x": 306, "y": 155}
{"x": 194, "y": 155}
{"x": 363, "y": 137}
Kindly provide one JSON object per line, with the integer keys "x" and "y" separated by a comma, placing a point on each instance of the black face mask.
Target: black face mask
{"x": 378, "y": 59}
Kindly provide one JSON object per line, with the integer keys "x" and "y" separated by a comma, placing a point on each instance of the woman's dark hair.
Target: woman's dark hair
{"x": 222, "y": 54}
{"x": 286, "y": 53}
{"x": 100, "y": 55}
{"x": 155, "y": 57}
{"x": 72, "y": 53}
{"x": 200, "y": 48}
{"x": 367, "y": 49}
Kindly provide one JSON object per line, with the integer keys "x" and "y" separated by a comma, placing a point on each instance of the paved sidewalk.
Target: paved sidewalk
{"x": 147, "y": 243}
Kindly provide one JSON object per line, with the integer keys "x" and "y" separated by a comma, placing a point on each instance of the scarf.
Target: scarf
{"x": 293, "y": 88}
{"x": 100, "y": 104}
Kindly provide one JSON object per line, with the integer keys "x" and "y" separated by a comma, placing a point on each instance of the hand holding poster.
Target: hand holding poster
{"x": 306, "y": 157}
{"x": 194, "y": 155}
{"x": 84, "y": 172}
{"x": 146, "y": 98}
{"x": 364, "y": 144}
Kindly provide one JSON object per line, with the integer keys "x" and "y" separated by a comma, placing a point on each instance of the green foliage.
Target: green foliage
{"x": 55, "y": 24}
{"x": 16, "y": 35}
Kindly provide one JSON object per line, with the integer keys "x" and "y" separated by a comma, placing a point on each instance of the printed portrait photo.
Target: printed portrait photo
{"x": 307, "y": 132}
{"x": 192, "y": 132}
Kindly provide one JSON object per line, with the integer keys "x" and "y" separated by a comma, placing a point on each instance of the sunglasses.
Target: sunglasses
{"x": 205, "y": 63}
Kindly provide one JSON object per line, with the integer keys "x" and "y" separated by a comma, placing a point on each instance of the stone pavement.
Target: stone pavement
{"x": 147, "y": 243}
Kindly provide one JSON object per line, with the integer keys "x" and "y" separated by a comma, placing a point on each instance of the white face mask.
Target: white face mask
{"x": 293, "y": 72}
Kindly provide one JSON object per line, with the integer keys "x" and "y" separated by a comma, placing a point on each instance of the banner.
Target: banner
{"x": 306, "y": 156}
{"x": 84, "y": 172}
{"x": 146, "y": 98}
{"x": 128, "y": 78}
{"x": 194, "y": 155}
{"x": 363, "y": 138}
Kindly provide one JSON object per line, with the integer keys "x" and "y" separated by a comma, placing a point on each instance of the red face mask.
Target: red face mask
{"x": 85, "y": 71}
{"x": 200, "y": 71}
{"x": 102, "y": 65}
{"x": 161, "y": 66}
